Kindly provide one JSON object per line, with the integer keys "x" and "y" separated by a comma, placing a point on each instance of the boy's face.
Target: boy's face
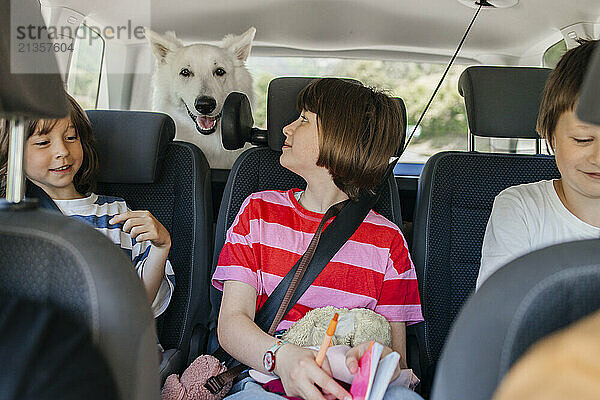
{"x": 577, "y": 150}
{"x": 53, "y": 159}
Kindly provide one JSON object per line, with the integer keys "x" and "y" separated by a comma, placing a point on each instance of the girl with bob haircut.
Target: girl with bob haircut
{"x": 539, "y": 214}
{"x": 353, "y": 143}
{"x": 340, "y": 145}
{"x": 61, "y": 160}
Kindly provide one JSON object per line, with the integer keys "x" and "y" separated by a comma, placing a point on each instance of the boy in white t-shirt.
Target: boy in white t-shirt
{"x": 535, "y": 215}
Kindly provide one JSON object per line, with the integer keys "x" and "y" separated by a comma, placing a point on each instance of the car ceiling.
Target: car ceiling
{"x": 411, "y": 26}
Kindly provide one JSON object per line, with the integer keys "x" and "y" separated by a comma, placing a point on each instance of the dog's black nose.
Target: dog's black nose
{"x": 205, "y": 104}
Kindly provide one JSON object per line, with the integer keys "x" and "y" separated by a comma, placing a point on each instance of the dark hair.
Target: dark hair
{"x": 562, "y": 88}
{"x": 85, "y": 179}
{"x": 359, "y": 130}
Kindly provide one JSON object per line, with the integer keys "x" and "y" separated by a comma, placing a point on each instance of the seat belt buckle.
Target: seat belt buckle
{"x": 214, "y": 384}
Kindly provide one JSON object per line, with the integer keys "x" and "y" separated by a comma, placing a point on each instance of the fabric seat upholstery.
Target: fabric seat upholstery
{"x": 50, "y": 258}
{"x": 171, "y": 179}
{"x": 557, "y": 285}
{"x": 456, "y": 193}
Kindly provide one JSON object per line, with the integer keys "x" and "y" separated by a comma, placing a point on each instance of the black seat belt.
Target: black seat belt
{"x": 338, "y": 233}
{"x": 35, "y": 192}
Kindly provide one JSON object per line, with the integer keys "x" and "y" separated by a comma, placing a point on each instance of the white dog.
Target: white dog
{"x": 191, "y": 84}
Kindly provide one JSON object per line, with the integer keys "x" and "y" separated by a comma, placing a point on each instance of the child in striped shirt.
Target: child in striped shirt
{"x": 60, "y": 158}
{"x": 340, "y": 145}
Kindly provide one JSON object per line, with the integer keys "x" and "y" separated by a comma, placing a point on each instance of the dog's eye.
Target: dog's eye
{"x": 219, "y": 72}
{"x": 185, "y": 72}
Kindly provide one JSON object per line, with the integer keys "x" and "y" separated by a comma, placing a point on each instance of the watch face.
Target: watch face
{"x": 269, "y": 361}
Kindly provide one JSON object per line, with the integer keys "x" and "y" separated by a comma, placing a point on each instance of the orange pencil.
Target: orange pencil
{"x": 327, "y": 340}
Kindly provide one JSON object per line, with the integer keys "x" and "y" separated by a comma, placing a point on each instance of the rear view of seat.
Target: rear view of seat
{"x": 259, "y": 169}
{"x": 140, "y": 162}
{"x": 557, "y": 285}
{"x": 457, "y": 190}
{"x": 49, "y": 258}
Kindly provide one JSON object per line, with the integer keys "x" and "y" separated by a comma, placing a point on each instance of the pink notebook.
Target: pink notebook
{"x": 374, "y": 373}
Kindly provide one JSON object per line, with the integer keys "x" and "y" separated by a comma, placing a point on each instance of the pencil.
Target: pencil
{"x": 327, "y": 340}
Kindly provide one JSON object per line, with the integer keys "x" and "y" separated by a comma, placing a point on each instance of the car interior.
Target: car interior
{"x": 462, "y": 146}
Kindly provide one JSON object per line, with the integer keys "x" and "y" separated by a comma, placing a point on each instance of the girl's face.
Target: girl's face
{"x": 301, "y": 147}
{"x": 577, "y": 151}
{"x": 52, "y": 159}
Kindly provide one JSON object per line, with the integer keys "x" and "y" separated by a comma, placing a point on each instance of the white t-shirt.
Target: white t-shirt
{"x": 526, "y": 218}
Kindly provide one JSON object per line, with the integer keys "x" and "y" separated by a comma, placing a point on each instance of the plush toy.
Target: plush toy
{"x": 354, "y": 327}
{"x": 191, "y": 384}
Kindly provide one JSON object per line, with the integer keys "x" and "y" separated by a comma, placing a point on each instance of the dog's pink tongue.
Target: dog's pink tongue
{"x": 206, "y": 122}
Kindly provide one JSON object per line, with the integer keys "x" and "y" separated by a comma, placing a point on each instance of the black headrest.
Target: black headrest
{"x": 237, "y": 122}
{"x": 281, "y": 106}
{"x": 589, "y": 102}
{"x": 503, "y": 101}
{"x": 27, "y": 94}
{"x": 131, "y": 144}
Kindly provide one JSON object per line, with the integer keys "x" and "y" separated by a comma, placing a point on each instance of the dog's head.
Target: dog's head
{"x": 198, "y": 77}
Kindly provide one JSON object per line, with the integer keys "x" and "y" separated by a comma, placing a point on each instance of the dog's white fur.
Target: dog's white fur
{"x": 174, "y": 91}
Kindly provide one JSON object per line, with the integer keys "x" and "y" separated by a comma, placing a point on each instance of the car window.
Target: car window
{"x": 445, "y": 124}
{"x": 554, "y": 53}
{"x": 85, "y": 67}
{"x": 443, "y": 128}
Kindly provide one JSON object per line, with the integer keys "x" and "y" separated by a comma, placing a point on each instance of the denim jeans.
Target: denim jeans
{"x": 249, "y": 389}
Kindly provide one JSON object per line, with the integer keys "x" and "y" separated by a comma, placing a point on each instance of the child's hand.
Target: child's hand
{"x": 302, "y": 377}
{"x": 355, "y": 353}
{"x": 142, "y": 225}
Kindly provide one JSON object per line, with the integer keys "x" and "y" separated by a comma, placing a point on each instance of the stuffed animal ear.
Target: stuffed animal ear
{"x": 162, "y": 45}
{"x": 240, "y": 45}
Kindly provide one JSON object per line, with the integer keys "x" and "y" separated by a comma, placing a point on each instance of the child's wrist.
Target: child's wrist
{"x": 280, "y": 356}
{"x": 160, "y": 249}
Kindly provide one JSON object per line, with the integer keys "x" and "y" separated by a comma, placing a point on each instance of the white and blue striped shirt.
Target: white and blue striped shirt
{"x": 97, "y": 210}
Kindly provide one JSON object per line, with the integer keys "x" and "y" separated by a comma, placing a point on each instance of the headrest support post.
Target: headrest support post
{"x": 471, "y": 143}
{"x": 15, "y": 173}
{"x": 259, "y": 137}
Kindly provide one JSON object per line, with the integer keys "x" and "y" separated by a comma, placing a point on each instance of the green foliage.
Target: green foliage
{"x": 414, "y": 83}
{"x": 261, "y": 84}
{"x": 554, "y": 53}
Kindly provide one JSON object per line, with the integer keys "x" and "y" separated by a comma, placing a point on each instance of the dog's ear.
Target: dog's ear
{"x": 240, "y": 45}
{"x": 162, "y": 45}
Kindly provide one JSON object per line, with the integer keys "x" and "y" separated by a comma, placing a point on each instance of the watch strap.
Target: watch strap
{"x": 272, "y": 350}
{"x": 278, "y": 344}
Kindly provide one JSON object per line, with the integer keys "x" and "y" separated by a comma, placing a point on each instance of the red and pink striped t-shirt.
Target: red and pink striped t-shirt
{"x": 372, "y": 270}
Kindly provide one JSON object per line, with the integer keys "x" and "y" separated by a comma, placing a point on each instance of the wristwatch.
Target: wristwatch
{"x": 269, "y": 357}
